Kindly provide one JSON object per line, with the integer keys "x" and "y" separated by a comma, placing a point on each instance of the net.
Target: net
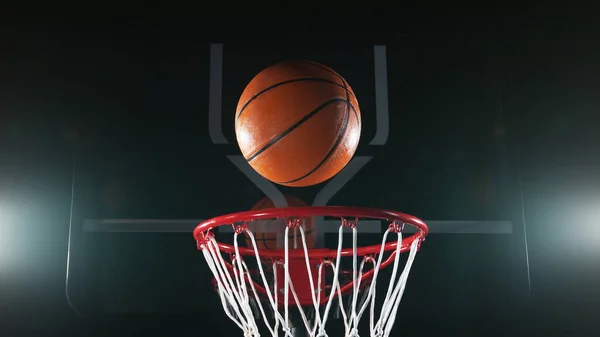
{"x": 256, "y": 286}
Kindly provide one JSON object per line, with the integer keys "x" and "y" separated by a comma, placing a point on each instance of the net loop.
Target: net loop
{"x": 397, "y": 227}
{"x": 292, "y": 223}
{"x": 203, "y": 239}
{"x": 240, "y": 228}
{"x": 349, "y": 223}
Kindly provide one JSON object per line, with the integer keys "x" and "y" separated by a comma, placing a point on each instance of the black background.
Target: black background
{"x": 552, "y": 100}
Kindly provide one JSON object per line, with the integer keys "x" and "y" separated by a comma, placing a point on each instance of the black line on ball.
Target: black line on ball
{"x": 296, "y": 125}
{"x": 323, "y": 67}
{"x": 273, "y": 86}
{"x": 337, "y": 142}
{"x": 344, "y": 83}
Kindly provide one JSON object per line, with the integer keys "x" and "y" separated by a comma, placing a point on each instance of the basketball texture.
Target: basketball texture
{"x": 270, "y": 234}
{"x": 298, "y": 123}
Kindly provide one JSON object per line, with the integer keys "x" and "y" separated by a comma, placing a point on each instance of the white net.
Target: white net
{"x": 246, "y": 306}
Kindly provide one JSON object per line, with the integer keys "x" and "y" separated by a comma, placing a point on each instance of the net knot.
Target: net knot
{"x": 292, "y": 223}
{"x": 421, "y": 239}
{"x": 241, "y": 228}
{"x": 397, "y": 227}
{"x": 353, "y": 333}
{"x": 349, "y": 223}
{"x": 203, "y": 239}
{"x": 322, "y": 333}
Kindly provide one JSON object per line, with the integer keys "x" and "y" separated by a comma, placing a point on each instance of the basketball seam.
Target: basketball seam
{"x": 337, "y": 142}
{"x": 295, "y": 126}
{"x": 273, "y": 86}
{"x": 344, "y": 83}
{"x": 323, "y": 67}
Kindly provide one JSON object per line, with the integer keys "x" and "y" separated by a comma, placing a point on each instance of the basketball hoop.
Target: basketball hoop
{"x": 300, "y": 275}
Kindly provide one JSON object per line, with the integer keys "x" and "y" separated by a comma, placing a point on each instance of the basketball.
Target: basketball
{"x": 270, "y": 234}
{"x": 298, "y": 123}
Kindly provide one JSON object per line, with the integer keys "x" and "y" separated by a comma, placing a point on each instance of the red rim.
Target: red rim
{"x": 307, "y": 211}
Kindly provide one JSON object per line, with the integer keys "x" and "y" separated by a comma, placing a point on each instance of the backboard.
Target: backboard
{"x": 161, "y": 156}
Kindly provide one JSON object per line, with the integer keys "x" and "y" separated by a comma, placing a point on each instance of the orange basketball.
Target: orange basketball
{"x": 298, "y": 123}
{"x": 270, "y": 234}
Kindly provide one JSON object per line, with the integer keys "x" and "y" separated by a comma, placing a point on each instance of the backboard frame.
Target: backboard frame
{"x": 81, "y": 225}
